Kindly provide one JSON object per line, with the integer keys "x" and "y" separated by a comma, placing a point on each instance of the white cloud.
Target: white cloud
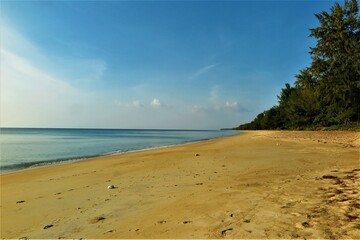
{"x": 214, "y": 94}
{"x": 17, "y": 43}
{"x": 77, "y": 70}
{"x": 214, "y": 98}
{"x": 215, "y": 104}
{"x": 30, "y": 95}
{"x": 233, "y": 104}
{"x": 137, "y": 104}
{"x": 155, "y": 102}
{"x": 14, "y": 66}
{"x": 81, "y": 71}
{"x": 202, "y": 71}
{"x": 42, "y": 90}
{"x": 199, "y": 109}
{"x": 35, "y": 92}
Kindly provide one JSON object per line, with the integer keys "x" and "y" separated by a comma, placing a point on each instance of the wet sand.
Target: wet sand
{"x": 261, "y": 184}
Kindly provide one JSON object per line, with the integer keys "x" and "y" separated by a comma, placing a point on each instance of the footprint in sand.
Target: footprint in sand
{"x": 48, "y": 226}
{"x": 329, "y": 177}
{"x": 305, "y": 224}
{"x": 97, "y": 219}
{"x": 186, "y": 222}
{"x": 224, "y": 232}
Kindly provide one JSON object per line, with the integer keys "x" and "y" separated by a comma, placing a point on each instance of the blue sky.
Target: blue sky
{"x": 149, "y": 64}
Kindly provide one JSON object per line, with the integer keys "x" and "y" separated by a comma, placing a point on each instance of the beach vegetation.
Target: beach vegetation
{"x": 327, "y": 92}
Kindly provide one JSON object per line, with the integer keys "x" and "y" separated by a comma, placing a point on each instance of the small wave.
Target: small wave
{"x": 40, "y": 163}
{"x": 29, "y": 165}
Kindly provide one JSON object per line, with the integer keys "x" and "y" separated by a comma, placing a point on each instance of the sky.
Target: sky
{"x": 149, "y": 64}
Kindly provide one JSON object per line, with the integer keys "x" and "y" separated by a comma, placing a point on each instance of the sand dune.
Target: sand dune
{"x": 261, "y": 184}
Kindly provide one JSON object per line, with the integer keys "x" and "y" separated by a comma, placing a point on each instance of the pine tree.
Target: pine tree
{"x": 328, "y": 91}
{"x": 336, "y": 64}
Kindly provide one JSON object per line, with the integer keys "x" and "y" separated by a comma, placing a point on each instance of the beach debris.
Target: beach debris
{"x": 162, "y": 221}
{"x": 111, "y": 187}
{"x": 223, "y": 232}
{"x": 246, "y": 220}
{"x": 21, "y": 201}
{"x": 48, "y": 226}
{"x": 197, "y": 155}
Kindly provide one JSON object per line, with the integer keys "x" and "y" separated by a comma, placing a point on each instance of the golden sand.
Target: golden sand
{"x": 260, "y": 184}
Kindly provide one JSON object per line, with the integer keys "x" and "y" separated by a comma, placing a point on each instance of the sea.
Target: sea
{"x": 22, "y": 148}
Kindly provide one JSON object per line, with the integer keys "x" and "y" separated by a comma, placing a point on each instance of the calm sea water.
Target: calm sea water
{"x": 27, "y": 147}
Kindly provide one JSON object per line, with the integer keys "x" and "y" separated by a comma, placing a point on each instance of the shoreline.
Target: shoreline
{"x": 258, "y": 184}
{"x": 51, "y": 163}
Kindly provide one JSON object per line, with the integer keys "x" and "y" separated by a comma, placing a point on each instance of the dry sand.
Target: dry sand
{"x": 259, "y": 184}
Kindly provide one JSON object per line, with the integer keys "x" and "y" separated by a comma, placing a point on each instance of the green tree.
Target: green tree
{"x": 285, "y": 103}
{"x": 335, "y": 70}
{"x": 328, "y": 91}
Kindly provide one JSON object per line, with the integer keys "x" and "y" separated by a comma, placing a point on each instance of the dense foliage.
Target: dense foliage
{"x": 327, "y": 92}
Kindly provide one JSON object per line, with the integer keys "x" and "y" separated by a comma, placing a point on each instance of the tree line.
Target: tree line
{"x": 327, "y": 92}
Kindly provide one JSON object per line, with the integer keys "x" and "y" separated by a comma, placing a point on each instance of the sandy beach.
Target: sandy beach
{"x": 260, "y": 184}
